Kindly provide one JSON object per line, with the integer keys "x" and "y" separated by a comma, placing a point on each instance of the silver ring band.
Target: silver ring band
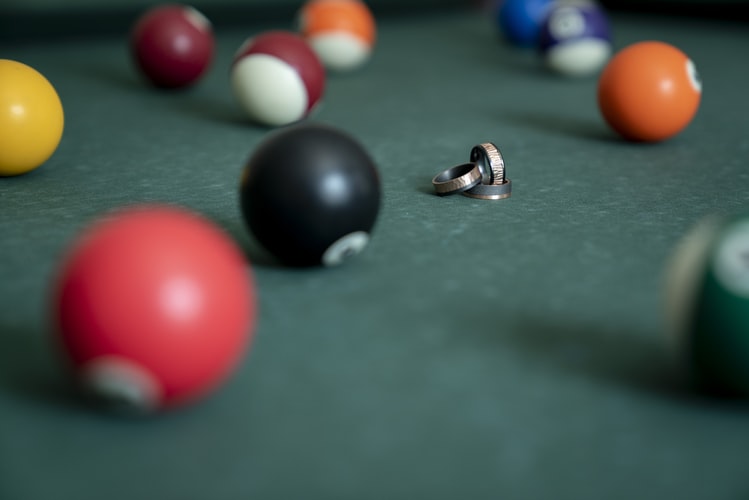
{"x": 490, "y": 161}
{"x": 457, "y": 179}
{"x": 491, "y": 191}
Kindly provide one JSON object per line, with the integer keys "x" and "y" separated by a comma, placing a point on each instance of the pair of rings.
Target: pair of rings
{"x": 483, "y": 177}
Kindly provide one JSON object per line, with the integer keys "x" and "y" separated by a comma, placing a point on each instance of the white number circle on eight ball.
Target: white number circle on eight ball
{"x": 310, "y": 194}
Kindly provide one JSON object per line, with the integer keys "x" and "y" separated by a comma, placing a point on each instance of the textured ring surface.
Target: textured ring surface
{"x": 489, "y": 159}
{"x": 457, "y": 179}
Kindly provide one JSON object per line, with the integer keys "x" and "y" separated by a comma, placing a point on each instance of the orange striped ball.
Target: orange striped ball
{"x": 341, "y": 32}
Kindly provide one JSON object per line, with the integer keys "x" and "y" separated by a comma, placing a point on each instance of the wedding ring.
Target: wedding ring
{"x": 457, "y": 179}
{"x": 490, "y": 162}
{"x": 491, "y": 191}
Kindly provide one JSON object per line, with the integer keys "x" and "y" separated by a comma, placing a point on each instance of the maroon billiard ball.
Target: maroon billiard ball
{"x": 277, "y": 78}
{"x": 154, "y": 307}
{"x": 172, "y": 45}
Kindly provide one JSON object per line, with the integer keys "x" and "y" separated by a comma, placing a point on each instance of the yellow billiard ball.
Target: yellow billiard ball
{"x": 31, "y": 118}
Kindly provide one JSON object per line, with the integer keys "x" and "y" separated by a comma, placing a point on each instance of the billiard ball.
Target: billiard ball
{"x": 707, "y": 305}
{"x": 154, "y": 306}
{"x": 649, "y": 91}
{"x": 520, "y": 21}
{"x": 172, "y": 45}
{"x": 31, "y": 118}
{"x": 575, "y": 38}
{"x": 341, "y": 32}
{"x": 310, "y": 194}
{"x": 277, "y": 78}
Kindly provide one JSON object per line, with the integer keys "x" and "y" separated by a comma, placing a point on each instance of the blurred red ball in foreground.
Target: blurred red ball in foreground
{"x": 154, "y": 307}
{"x": 172, "y": 45}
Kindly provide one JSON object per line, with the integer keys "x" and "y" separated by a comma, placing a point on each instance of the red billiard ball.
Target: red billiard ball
{"x": 277, "y": 78}
{"x": 154, "y": 307}
{"x": 172, "y": 45}
{"x": 649, "y": 91}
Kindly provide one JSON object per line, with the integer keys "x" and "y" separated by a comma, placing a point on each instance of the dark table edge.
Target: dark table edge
{"x": 54, "y": 24}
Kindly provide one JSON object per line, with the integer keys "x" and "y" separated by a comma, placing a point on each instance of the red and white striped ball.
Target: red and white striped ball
{"x": 341, "y": 32}
{"x": 277, "y": 78}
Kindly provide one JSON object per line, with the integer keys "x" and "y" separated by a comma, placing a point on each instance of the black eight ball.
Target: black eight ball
{"x": 310, "y": 194}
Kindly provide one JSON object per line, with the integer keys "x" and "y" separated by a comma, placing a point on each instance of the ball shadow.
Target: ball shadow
{"x": 121, "y": 76}
{"x": 490, "y": 47}
{"x": 214, "y": 110}
{"x": 561, "y": 125}
{"x": 186, "y": 100}
{"x": 255, "y": 253}
{"x": 33, "y": 372}
{"x": 521, "y": 61}
{"x": 624, "y": 358}
{"x": 30, "y": 369}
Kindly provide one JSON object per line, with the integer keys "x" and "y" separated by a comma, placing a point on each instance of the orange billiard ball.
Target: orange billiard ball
{"x": 649, "y": 91}
{"x": 31, "y": 118}
{"x": 341, "y": 32}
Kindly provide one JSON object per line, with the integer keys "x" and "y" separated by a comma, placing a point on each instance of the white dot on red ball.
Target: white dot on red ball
{"x": 122, "y": 383}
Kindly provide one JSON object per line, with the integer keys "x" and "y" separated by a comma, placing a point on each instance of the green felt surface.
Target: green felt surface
{"x": 509, "y": 349}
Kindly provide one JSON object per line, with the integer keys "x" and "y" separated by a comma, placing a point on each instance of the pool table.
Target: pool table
{"x": 509, "y": 349}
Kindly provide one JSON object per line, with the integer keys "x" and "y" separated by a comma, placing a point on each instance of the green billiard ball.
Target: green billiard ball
{"x": 707, "y": 305}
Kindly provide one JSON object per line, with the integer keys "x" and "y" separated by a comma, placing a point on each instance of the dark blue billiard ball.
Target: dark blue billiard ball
{"x": 310, "y": 194}
{"x": 575, "y": 38}
{"x": 707, "y": 305}
{"x": 520, "y": 20}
